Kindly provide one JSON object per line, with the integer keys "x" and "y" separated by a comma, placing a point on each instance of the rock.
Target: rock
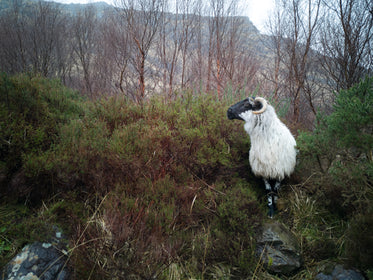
{"x": 339, "y": 273}
{"x": 44, "y": 261}
{"x": 278, "y": 249}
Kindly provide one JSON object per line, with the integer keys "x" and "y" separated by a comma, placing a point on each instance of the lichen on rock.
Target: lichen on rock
{"x": 38, "y": 261}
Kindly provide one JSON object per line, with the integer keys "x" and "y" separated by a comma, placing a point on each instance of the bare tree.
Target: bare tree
{"x": 114, "y": 55}
{"x": 198, "y": 56}
{"x": 294, "y": 31}
{"x": 239, "y": 64}
{"x": 64, "y": 61}
{"x": 189, "y": 13}
{"x": 44, "y": 29}
{"x": 13, "y": 56}
{"x": 230, "y": 61}
{"x": 211, "y": 50}
{"x": 31, "y": 41}
{"x": 175, "y": 35}
{"x": 169, "y": 43}
{"x": 142, "y": 19}
{"x": 273, "y": 73}
{"x": 346, "y": 42}
{"x": 84, "y": 44}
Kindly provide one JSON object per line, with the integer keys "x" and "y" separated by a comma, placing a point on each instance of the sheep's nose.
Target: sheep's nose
{"x": 230, "y": 114}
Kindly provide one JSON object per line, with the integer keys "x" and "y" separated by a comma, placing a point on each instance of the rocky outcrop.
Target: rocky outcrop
{"x": 278, "y": 249}
{"x": 38, "y": 261}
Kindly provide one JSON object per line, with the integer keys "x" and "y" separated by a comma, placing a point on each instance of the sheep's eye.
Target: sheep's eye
{"x": 247, "y": 105}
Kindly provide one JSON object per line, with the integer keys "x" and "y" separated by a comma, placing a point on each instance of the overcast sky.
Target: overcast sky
{"x": 256, "y": 10}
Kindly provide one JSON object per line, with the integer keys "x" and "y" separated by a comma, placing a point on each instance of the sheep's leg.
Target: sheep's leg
{"x": 275, "y": 190}
{"x": 268, "y": 185}
{"x": 271, "y": 198}
{"x": 271, "y": 205}
{"x": 277, "y": 186}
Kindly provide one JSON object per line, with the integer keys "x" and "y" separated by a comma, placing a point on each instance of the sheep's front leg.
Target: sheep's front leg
{"x": 271, "y": 198}
{"x": 271, "y": 205}
{"x": 277, "y": 186}
{"x": 268, "y": 185}
{"x": 275, "y": 190}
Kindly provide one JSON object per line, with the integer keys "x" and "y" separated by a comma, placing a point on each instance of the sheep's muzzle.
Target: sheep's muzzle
{"x": 237, "y": 109}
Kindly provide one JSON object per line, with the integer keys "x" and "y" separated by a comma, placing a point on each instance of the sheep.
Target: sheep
{"x": 273, "y": 147}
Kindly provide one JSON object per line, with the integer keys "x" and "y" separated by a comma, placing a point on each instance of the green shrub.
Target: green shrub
{"x": 337, "y": 159}
{"x": 352, "y": 119}
{"x": 156, "y": 164}
{"x": 239, "y": 216}
{"x": 341, "y": 146}
{"x": 185, "y": 138}
{"x": 31, "y": 112}
{"x": 154, "y": 183}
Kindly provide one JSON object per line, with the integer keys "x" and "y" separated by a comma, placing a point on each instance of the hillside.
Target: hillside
{"x": 90, "y": 48}
{"x": 251, "y": 33}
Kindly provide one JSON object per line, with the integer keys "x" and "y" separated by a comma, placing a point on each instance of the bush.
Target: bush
{"x": 352, "y": 119}
{"x": 32, "y": 109}
{"x": 120, "y": 141}
{"x": 163, "y": 189}
{"x": 238, "y": 221}
{"x": 161, "y": 170}
{"x": 337, "y": 156}
{"x": 341, "y": 147}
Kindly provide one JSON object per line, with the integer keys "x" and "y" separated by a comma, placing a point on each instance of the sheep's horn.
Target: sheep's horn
{"x": 264, "y": 105}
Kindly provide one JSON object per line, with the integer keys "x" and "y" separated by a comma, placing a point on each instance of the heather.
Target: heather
{"x": 163, "y": 188}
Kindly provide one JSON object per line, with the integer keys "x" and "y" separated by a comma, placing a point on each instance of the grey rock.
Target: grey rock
{"x": 278, "y": 249}
{"x": 339, "y": 273}
{"x": 38, "y": 261}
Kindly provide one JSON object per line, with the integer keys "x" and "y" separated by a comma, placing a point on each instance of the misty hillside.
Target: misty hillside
{"x": 180, "y": 42}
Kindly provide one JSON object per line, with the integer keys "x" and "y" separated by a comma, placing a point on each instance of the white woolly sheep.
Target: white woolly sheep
{"x": 273, "y": 152}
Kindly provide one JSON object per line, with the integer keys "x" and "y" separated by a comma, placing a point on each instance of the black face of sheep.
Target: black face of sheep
{"x": 272, "y": 152}
{"x": 243, "y": 106}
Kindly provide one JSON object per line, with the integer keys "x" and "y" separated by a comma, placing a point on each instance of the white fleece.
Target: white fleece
{"x": 273, "y": 151}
